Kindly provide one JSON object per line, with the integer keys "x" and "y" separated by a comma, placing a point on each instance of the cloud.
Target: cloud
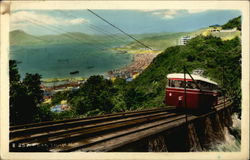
{"x": 172, "y": 13}
{"x": 168, "y": 14}
{"x": 77, "y": 21}
{"x": 23, "y": 19}
{"x": 193, "y": 11}
{"x": 148, "y": 10}
{"x": 25, "y": 16}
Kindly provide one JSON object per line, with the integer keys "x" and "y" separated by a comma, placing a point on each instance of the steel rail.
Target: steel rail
{"x": 93, "y": 143}
{"x": 23, "y": 126}
{"x": 49, "y": 133}
{"x": 106, "y": 146}
{"x": 75, "y": 136}
{"x": 88, "y": 134}
{"x": 108, "y": 136}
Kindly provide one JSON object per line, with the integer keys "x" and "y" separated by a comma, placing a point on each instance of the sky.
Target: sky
{"x": 44, "y": 22}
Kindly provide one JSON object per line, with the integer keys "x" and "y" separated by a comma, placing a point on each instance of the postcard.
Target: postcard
{"x": 124, "y": 80}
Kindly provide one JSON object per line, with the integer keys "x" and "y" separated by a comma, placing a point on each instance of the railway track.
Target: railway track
{"x": 100, "y": 133}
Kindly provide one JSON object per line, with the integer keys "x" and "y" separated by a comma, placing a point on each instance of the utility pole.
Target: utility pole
{"x": 223, "y": 84}
{"x": 185, "y": 92}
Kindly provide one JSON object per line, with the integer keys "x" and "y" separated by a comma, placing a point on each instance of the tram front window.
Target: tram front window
{"x": 174, "y": 83}
{"x": 181, "y": 84}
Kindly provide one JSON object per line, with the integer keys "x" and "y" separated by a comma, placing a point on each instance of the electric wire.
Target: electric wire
{"x": 119, "y": 29}
{"x": 96, "y": 28}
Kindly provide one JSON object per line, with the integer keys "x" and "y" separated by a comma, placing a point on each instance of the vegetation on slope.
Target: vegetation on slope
{"x": 236, "y": 22}
{"x": 210, "y": 54}
{"x": 219, "y": 60}
{"x": 160, "y": 41}
{"x": 226, "y": 35}
{"x": 25, "y": 96}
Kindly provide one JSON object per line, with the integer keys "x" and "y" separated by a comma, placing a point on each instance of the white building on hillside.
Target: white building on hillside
{"x": 229, "y": 30}
{"x": 184, "y": 40}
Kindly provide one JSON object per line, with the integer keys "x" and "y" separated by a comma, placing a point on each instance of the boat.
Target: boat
{"x": 74, "y": 72}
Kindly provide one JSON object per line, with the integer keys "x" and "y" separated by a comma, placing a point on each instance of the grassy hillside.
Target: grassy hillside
{"x": 158, "y": 41}
{"x": 236, "y": 22}
{"x": 226, "y": 35}
{"x": 209, "y": 53}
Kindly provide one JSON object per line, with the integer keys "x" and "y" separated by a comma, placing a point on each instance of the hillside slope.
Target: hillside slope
{"x": 233, "y": 23}
{"x": 161, "y": 41}
{"x": 157, "y": 41}
{"x": 210, "y": 54}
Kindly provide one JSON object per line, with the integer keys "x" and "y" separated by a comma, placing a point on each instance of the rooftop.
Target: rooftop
{"x": 195, "y": 77}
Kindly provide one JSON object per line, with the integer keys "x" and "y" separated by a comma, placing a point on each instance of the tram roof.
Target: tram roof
{"x": 195, "y": 77}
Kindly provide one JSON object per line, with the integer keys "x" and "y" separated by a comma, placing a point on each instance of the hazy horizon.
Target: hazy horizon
{"x": 54, "y": 22}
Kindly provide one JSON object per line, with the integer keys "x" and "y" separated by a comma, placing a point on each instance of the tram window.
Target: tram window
{"x": 191, "y": 85}
{"x": 174, "y": 83}
{"x": 181, "y": 84}
{"x": 170, "y": 83}
{"x": 177, "y": 84}
{"x": 206, "y": 86}
{"x": 214, "y": 87}
{"x": 211, "y": 87}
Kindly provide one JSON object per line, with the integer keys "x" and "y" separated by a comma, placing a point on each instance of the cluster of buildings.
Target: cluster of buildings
{"x": 127, "y": 75}
{"x": 50, "y": 90}
{"x": 130, "y": 72}
{"x": 212, "y": 29}
{"x": 218, "y": 28}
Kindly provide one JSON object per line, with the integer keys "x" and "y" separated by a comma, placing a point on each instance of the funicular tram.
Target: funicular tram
{"x": 191, "y": 92}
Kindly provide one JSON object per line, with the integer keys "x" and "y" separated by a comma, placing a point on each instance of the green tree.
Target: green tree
{"x": 119, "y": 95}
{"x": 24, "y": 96}
{"x": 13, "y": 71}
{"x": 95, "y": 93}
{"x": 59, "y": 96}
{"x": 33, "y": 83}
{"x": 44, "y": 113}
{"x": 236, "y": 22}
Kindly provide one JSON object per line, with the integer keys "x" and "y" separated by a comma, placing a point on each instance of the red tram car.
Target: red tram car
{"x": 201, "y": 93}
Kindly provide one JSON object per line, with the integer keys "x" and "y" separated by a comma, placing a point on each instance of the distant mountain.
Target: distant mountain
{"x": 160, "y": 41}
{"x": 19, "y": 37}
{"x": 157, "y": 41}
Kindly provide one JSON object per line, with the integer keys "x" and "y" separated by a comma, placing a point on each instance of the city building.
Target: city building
{"x": 184, "y": 40}
{"x": 215, "y": 28}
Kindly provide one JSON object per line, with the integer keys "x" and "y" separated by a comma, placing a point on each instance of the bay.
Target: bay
{"x": 57, "y": 61}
